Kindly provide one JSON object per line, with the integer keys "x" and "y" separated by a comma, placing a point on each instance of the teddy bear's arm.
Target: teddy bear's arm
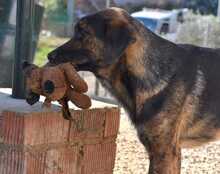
{"x": 74, "y": 78}
{"x": 79, "y": 99}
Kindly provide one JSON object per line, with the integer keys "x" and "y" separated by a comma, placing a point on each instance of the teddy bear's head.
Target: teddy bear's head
{"x": 47, "y": 81}
{"x": 61, "y": 83}
{"x": 33, "y": 75}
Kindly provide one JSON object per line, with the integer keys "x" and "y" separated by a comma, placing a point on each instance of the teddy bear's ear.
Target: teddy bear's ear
{"x": 28, "y": 67}
{"x": 74, "y": 79}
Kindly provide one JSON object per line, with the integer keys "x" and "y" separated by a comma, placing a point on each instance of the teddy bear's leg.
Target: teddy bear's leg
{"x": 80, "y": 100}
{"x": 65, "y": 109}
{"x": 47, "y": 103}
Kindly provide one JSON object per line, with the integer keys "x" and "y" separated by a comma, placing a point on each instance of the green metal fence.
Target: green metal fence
{"x": 7, "y": 40}
{"x": 20, "y": 22}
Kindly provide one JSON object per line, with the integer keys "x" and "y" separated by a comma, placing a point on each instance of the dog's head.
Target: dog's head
{"x": 99, "y": 41}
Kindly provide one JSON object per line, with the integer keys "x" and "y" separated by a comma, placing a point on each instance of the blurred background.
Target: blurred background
{"x": 49, "y": 23}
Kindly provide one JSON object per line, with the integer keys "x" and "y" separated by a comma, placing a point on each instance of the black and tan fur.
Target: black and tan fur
{"x": 171, "y": 92}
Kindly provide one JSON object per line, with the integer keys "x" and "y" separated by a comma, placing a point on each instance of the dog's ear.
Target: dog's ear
{"x": 117, "y": 39}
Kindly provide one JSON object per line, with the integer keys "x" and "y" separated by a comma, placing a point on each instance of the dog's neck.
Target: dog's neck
{"x": 143, "y": 72}
{"x": 112, "y": 79}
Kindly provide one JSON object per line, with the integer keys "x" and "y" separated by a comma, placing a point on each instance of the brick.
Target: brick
{"x": 35, "y": 162}
{"x": 87, "y": 124}
{"x": 45, "y": 143}
{"x": 104, "y": 172}
{"x": 62, "y": 161}
{"x": 44, "y": 128}
{"x": 12, "y": 128}
{"x": 99, "y": 158}
{"x": 112, "y": 122}
{"x": 11, "y": 162}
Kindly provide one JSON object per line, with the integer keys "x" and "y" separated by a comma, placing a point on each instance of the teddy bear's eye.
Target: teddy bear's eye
{"x": 49, "y": 87}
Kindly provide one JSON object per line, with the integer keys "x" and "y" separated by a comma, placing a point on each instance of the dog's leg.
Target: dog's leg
{"x": 165, "y": 159}
{"x": 164, "y": 153}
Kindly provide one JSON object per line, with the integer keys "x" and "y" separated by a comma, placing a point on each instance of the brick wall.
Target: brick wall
{"x": 45, "y": 143}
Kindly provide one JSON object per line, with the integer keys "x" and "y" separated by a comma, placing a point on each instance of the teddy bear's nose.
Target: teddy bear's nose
{"x": 49, "y": 87}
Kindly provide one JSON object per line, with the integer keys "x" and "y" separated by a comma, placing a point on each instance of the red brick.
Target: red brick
{"x": 87, "y": 124}
{"x": 105, "y": 172}
{"x": 62, "y": 161}
{"x": 112, "y": 122}
{"x": 35, "y": 162}
{"x": 44, "y": 143}
{"x": 12, "y": 128}
{"x": 44, "y": 128}
{"x": 99, "y": 158}
{"x": 11, "y": 162}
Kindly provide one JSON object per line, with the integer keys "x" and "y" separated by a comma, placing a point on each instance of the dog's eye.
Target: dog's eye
{"x": 84, "y": 32}
{"x": 80, "y": 33}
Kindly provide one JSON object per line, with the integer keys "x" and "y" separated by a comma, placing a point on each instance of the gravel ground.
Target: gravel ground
{"x": 131, "y": 157}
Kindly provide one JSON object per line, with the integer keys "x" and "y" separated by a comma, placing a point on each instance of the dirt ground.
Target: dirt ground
{"x": 131, "y": 157}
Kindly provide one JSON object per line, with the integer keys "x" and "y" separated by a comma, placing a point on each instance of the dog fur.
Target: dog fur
{"x": 171, "y": 91}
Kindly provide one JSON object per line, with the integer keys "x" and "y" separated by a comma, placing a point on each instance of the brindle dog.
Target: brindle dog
{"x": 170, "y": 91}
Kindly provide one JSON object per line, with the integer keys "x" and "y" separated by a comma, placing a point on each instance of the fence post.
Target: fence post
{"x": 23, "y": 44}
{"x": 71, "y": 16}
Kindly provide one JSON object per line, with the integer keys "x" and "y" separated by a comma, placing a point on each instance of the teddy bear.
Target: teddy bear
{"x": 59, "y": 83}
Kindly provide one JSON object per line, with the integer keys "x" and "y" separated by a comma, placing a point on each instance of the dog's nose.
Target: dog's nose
{"x": 52, "y": 56}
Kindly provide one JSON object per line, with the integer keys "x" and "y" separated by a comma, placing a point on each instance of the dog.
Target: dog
{"x": 170, "y": 91}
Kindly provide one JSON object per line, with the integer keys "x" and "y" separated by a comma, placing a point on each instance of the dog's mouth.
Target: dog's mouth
{"x": 76, "y": 56}
{"x": 81, "y": 67}
{"x": 82, "y": 59}
{"x": 86, "y": 66}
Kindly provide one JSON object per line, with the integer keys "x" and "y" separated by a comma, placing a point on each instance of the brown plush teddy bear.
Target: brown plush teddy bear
{"x": 61, "y": 83}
